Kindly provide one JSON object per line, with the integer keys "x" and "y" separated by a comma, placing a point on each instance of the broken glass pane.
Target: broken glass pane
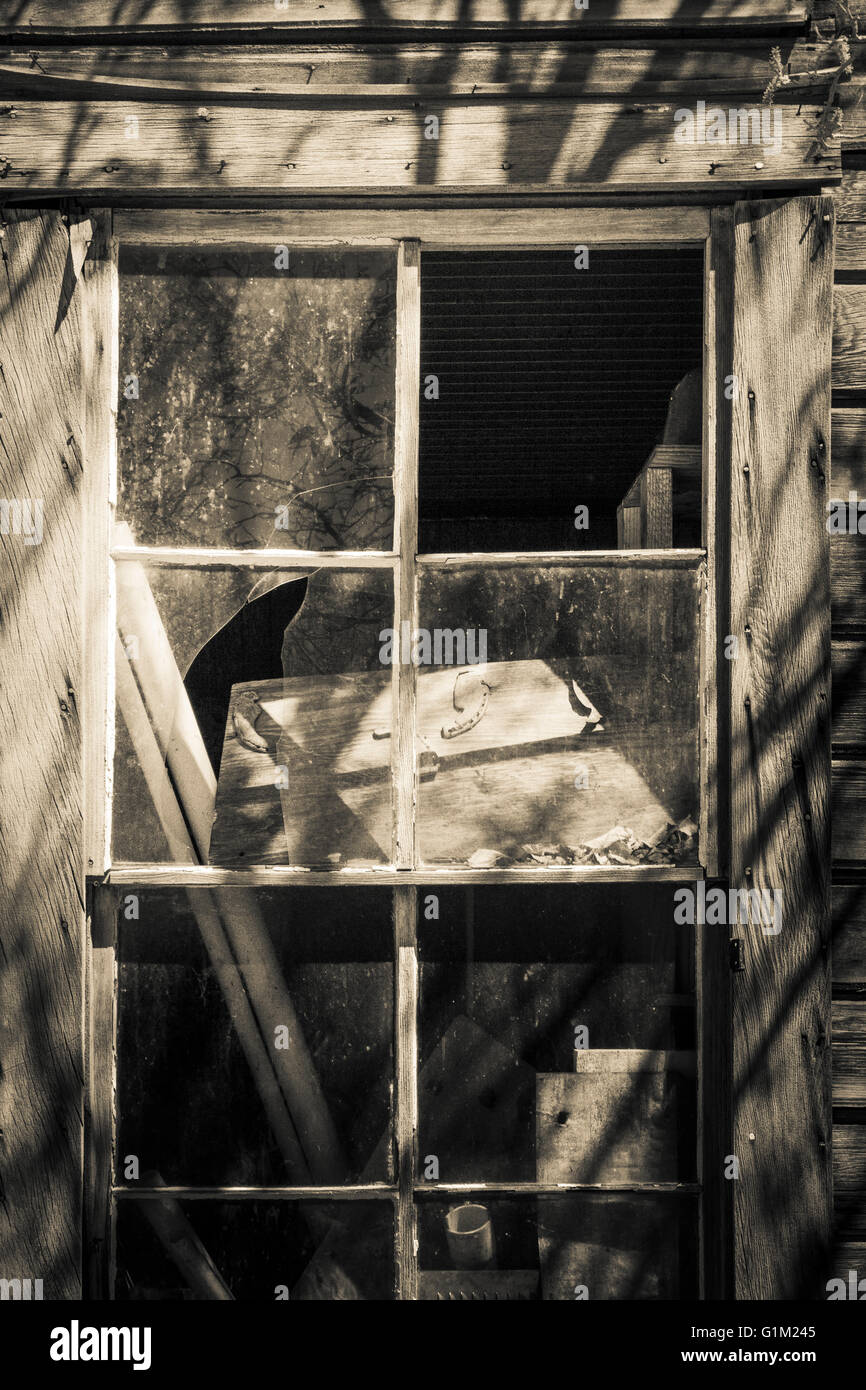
{"x": 254, "y": 714}
{"x": 557, "y": 714}
{"x": 256, "y": 397}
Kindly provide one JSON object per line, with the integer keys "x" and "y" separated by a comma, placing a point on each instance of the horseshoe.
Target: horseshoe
{"x": 462, "y": 726}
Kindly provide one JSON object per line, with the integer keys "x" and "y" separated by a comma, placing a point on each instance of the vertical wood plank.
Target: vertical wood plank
{"x": 405, "y": 908}
{"x": 714, "y": 475}
{"x": 99, "y": 336}
{"x": 99, "y": 1103}
{"x": 780, "y": 741}
{"x": 714, "y": 980}
{"x": 628, "y": 528}
{"x": 41, "y": 890}
{"x": 656, "y": 509}
{"x": 406, "y": 541}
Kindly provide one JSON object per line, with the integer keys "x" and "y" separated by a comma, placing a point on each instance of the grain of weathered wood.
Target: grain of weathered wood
{"x": 849, "y": 810}
{"x": 848, "y": 570}
{"x": 849, "y": 336}
{"x": 126, "y": 15}
{"x": 849, "y": 1210}
{"x": 849, "y": 934}
{"x": 628, "y": 527}
{"x": 780, "y": 740}
{"x": 849, "y": 449}
{"x": 41, "y": 888}
{"x": 456, "y": 228}
{"x": 184, "y": 149}
{"x": 850, "y": 198}
{"x": 851, "y": 246}
{"x": 99, "y": 337}
{"x": 656, "y": 508}
{"x": 848, "y": 583}
{"x": 430, "y": 70}
{"x": 849, "y": 695}
{"x": 849, "y": 1158}
{"x": 847, "y": 1256}
{"x": 849, "y": 1052}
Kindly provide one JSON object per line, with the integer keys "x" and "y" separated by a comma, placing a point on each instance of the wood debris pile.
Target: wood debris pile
{"x": 675, "y": 844}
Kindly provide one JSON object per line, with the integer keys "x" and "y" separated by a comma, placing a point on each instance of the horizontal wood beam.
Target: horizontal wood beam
{"x": 462, "y": 228}
{"x": 375, "y": 1192}
{"x": 123, "y": 16}
{"x": 268, "y": 876}
{"x": 167, "y": 558}
{"x": 428, "y": 70}
{"x": 575, "y": 559}
{"x": 180, "y": 149}
{"x": 383, "y": 1191}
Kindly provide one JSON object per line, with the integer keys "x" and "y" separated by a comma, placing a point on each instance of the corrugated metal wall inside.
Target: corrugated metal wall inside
{"x": 553, "y": 387}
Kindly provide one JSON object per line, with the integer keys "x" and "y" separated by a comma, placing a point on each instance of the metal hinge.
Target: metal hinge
{"x": 737, "y": 953}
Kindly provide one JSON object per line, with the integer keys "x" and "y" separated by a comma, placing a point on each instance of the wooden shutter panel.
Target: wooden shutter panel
{"x": 41, "y": 884}
{"x": 779, "y": 609}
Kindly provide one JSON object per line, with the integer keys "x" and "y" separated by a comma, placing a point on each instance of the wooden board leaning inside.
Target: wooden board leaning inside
{"x": 517, "y": 763}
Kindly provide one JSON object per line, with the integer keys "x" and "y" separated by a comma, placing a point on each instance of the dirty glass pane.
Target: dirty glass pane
{"x": 256, "y": 397}
{"x": 557, "y": 1035}
{"x": 255, "y": 1251}
{"x": 253, "y": 717}
{"x": 558, "y": 715}
{"x": 592, "y": 1246}
{"x": 255, "y": 1037}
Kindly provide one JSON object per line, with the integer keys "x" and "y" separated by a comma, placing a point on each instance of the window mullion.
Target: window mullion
{"x": 403, "y": 765}
{"x": 406, "y": 542}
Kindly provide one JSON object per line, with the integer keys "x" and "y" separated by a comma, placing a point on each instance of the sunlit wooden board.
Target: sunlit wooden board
{"x": 320, "y": 793}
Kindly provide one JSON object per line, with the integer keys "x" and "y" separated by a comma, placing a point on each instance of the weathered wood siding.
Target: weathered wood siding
{"x": 848, "y": 561}
{"x": 653, "y": 15}
{"x": 41, "y": 895}
{"x": 780, "y": 740}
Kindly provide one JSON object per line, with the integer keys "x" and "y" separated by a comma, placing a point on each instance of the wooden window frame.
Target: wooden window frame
{"x": 410, "y": 233}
